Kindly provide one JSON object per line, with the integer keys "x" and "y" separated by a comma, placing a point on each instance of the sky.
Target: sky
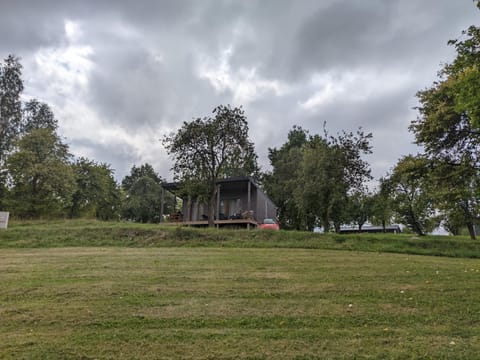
{"x": 120, "y": 75}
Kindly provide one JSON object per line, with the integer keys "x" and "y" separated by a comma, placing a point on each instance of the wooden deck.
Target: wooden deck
{"x": 220, "y": 223}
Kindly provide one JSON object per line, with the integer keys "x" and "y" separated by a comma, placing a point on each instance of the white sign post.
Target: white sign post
{"x": 4, "y": 219}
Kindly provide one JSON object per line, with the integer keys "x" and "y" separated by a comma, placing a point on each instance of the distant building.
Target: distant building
{"x": 371, "y": 229}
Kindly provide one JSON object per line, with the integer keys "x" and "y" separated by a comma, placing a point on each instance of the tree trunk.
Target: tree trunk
{"x": 417, "y": 228}
{"x": 211, "y": 209}
{"x": 471, "y": 230}
{"x": 326, "y": 225}
{"x": 384, "y": 227}
{"x": 337, "y": 226}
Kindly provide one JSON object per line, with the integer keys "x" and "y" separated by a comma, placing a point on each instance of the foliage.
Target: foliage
{"x": 381, "y": 211}
{"x": 320, "y": 191}
{"x": 136, "y": 173}
{"x": 208, "y": 149}
{"x": 457, "y": 195}
{"x": 411, "y": 194}
{"x": 144, "y": 195}
{"x": 463, "y": 75}
{"x": 330, "y": 170}
{"x": 448, "y": 126}
{"x": 449, "y": 109}
{"x": 11, "y": 86}
{"x": 42, "y": 180}
{"x": 360, "y": 207}
{"x": 96, "y": 194}
{"x": 37, "y": 115}
{"x": 280, "y": 183}
{"x": 320, "y": 173}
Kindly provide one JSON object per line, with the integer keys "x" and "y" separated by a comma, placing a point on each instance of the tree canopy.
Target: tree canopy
{"x": 448, "y": 127}
{"x": 210, "y": 148}
{"x": 144, "y": 194}
{"x": 321, "y": 172}
{"x": 42, "y": 179}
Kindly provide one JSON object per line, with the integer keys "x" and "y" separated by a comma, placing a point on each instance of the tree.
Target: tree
{"x": 457, "y": 195}
{"x": 330, "y": 170}
{"x": 382, "y": 205}
{"x": 463, "y": 75}
{"x": 281, "y": 181}
{"x": 360, "y": 205}
{"x": 96, "y": 194}
{"x": 448, "y": 126}
{"x": 42, "y": 180}
{"x": 143, "y": 189}
{"x": 320, "y": 191}
{"x": 37, "y": 115}
{"x": 136, "y": 173}
{"x": 411, "y": 195}
{"x": 11, "y": 86}
{"x": 142, "y": 203}
{"x": 208, "y": 149}
{"x": 445, "y": 125}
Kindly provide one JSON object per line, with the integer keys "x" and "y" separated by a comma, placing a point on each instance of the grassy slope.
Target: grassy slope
{"x": 91, "y": 233}
{"x": 151, "y": 303}
{"x": 83, "y": 289}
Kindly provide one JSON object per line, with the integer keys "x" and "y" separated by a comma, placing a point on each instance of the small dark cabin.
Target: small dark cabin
{"x": 240, "y": 202}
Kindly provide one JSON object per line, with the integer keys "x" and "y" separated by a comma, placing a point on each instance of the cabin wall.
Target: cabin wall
{"x": 264, "y": 207}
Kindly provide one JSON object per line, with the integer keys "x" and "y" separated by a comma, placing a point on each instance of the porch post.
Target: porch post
{"x": 249, "y": 193}
{"x": 188, "y": 209}
{"x": 162, "y": 201}
{"x": 218, "y": 205}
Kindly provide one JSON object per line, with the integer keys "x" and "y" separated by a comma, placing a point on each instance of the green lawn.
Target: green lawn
{"x": 236, "y": 303}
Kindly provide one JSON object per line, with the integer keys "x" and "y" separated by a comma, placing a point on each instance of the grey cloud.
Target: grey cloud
{"x": 119, "y": 156}
{"x": 146, "y": 53}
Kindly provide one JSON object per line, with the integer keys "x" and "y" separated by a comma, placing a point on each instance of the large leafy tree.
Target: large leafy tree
{"x": 42, "y": 180}
{"x": 210, "y": 148}
{"x": 313, "y": 176}
{"x": 411, "y": 193}
{"x": 11, "y": 87}
{"x": 448, "y": 127}
{"x": 96, "y": 194}
{"x": 331, "y": 169}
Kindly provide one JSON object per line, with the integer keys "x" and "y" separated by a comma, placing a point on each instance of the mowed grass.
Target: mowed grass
{"x": 236, "y": 303}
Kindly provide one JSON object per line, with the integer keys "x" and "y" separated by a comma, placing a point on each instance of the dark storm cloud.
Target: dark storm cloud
{"x": 154, "y": 64}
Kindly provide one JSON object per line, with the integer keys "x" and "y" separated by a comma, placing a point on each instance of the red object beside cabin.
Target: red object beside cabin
{"x": 268, "y": 224}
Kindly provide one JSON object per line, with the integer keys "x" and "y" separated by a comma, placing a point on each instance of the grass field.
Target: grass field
{"x": 225, "y": 302}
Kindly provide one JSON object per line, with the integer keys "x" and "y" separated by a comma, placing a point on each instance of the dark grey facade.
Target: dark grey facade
{"x": 238, "y": 198}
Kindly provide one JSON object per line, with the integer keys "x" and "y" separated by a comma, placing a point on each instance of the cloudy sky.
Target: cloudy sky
{"x": 121, "y": 74}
